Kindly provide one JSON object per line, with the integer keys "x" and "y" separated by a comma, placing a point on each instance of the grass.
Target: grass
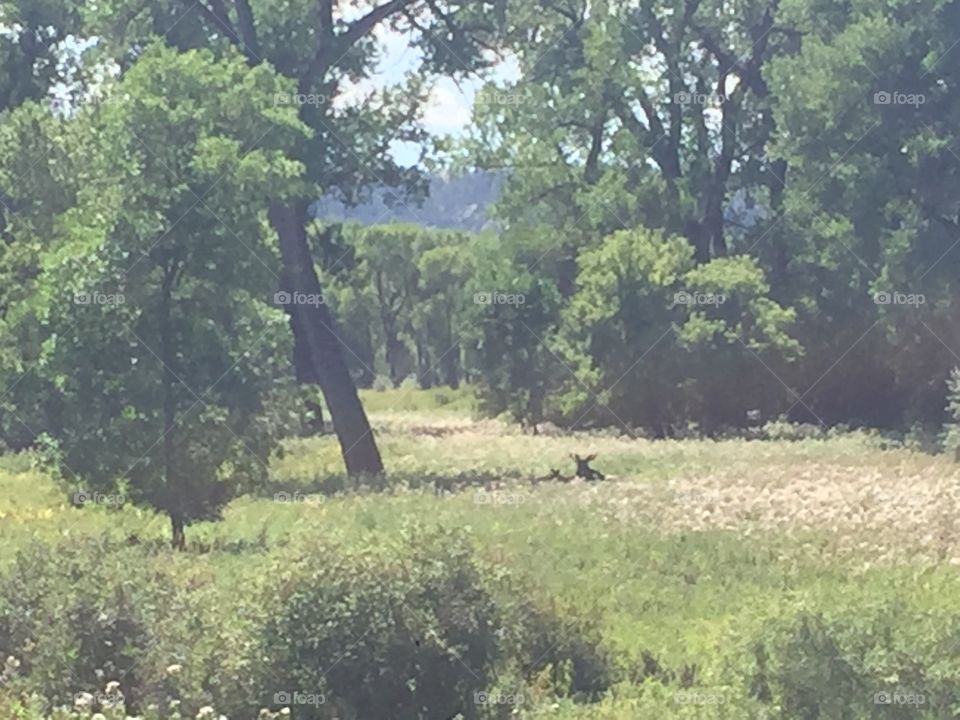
{"x": 687, "y": 548}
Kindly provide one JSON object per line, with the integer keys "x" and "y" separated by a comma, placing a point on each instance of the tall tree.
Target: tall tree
{"x": 158, "y": 326}
{"x": 325, "y": 49}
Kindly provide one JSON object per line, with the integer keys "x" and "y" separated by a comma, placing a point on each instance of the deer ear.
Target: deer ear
{"x": 591, "y": 457}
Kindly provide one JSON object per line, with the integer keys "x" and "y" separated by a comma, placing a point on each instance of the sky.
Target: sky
{"x": 449, "y": 106}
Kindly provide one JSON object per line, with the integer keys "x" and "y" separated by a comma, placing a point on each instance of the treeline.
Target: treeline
{"x": 721, "y": 214}
{"x": 645, "y": 337}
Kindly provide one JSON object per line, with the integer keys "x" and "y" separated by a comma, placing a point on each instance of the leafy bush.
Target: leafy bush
{"x": 73, "y": 615}
{"x": 876, "y": 662}
{"x": 411, "y": 629}
{"x": 659, "y": 342}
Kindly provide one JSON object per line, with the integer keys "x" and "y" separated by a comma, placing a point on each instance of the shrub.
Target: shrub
{"x": 879, "y": 662}
{"x": 73, "y": 615}
{"x": 415, "y": 626}
{"x": 413, "y": 629}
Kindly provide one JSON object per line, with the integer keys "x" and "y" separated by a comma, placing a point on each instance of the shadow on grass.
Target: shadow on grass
{"x": 439, "y": 483}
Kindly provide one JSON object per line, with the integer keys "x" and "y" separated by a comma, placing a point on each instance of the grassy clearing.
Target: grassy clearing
{"x": 686, "y": 552}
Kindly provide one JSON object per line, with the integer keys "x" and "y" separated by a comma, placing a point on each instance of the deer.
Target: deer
{"x": 554, "y": 475}
{"x": 584, "y": 470}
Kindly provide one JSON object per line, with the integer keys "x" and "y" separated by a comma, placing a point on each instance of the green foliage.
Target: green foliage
{"x": 400, "y": 291}
{"x": 415, "y": 627}
{"x": 658, "y": 341}
{"x": 876, "y": 662}
{"x": 410, "y": 628}
{"x": 74, "y": 615}
{"x": 153, "y": 313}
{"x": 513, "y": 313}
{"x": 401, "y": 630}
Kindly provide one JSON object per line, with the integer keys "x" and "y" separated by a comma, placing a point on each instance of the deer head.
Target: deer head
{"x": 583, "y": 467}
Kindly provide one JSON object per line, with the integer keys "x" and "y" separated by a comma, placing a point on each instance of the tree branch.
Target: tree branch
{"x": 328, "y": 53}
{"x": 248, "y": 28}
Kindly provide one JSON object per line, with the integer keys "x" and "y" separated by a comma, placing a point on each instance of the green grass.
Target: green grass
{"x": 658, "y": 580}
{"x": 433, "y": 400}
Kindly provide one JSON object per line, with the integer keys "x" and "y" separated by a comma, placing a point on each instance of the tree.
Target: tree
{"x": 868, "y": 119}
{"x": 513, "y": 311}
{"x": 387, "y": 264}
{"x": 637, "y": 112}
{"x": 160, "y": 331}
{"x": 658, "y": 341}
{"x": 439, "y": 320}
{"x": 322, "y": 51}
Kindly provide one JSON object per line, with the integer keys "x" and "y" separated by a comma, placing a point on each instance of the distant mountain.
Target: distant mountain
{"x": 460, "y": 203}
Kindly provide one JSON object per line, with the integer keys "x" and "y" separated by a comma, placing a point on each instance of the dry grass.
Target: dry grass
{"x": 884, "y": 504}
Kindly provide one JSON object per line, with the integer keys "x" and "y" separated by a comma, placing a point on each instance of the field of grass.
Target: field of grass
{"x": 684, "y": 556}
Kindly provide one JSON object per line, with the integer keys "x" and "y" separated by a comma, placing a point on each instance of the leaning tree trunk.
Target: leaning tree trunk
{"x": 318, "y": 334}
{"x": 304, "y": 372}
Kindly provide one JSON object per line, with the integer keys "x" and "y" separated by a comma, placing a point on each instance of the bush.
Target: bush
{"x": 879, "y": 662}
{"x": 415, "y": 629}
{"x": 73, "y": 615}
{"x": 410, "y": 627}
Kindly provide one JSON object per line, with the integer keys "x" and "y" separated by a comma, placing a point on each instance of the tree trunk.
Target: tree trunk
{"x": 450, "y": 360}
{"x": 303, "y": 370}
{"x": 394, "y": 351}
{"x": 179, "y": 537}
{"x": 318, "y": 333}
{"x": 777, "y": 186}
{"x": 426, "y": 372}
{"x": 172, "y": 494}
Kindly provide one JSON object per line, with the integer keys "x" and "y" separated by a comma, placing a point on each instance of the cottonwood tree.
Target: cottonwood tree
{"x": 326, "y": 49}
{"x": 161, "y": 347}
{"x": 439, "y": 317}
{"x": 869, "y": 116}
{"x": 632, "y": 112}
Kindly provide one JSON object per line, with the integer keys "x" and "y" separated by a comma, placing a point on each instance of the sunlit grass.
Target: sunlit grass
{"x": 686, "y": 549}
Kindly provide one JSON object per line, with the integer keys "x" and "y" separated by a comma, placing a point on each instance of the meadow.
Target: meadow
{"x": 813, "y": 577}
